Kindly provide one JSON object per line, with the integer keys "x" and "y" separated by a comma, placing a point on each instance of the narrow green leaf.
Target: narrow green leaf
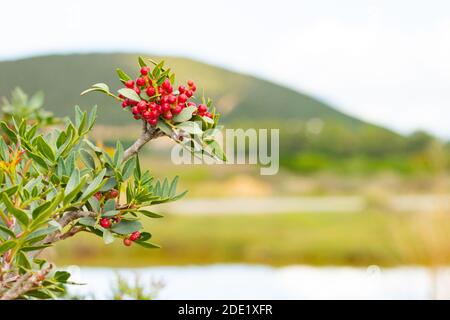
{"x": 21, "y": 216}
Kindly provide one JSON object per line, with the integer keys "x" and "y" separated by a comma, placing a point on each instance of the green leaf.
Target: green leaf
{"x": 161, "y": 125}
{"x": 126, "y": 227}
{"x": 110, "y": 205}
{"x": 118, "y": 154}
{"x": 72, "y": 194}
{"x": 110, "y": 183}
{"x": 150, "y": 214}
{"x": 97, "y": 87}
{"x": 110, "y": 213}
{"x": 94, "y": 185}
{"x": 23, "y": 261}
{"x": 173, "y": 187}
{"x": 87, "y": 221}
{"x": 39, "y": 233}
{"x": 190, "y": 127}
{"x": 147, "y": 245}
{"x": 142, "y": 62}
{"x": 61, "y": 276}
{"x": 41, "y": 208}
{"x": 46, "y": 214}
{"x": 107, "y": 237}
{"x": 87, "y": 159}
{"x": 7, "y": 231}
{"x": 21, "y": 216}
{"x": 185, "y": 114}
{"x": 130, "y": 94}
{"x": 34, "y": 248}
{"x": 45, "y": 149}
{"x": 5, "y": 246}
{"x": 122, "y": 75}
{"x": 11, "y": 134}
{"x": 74, "y": 180}
{"x": 128, "y": 168}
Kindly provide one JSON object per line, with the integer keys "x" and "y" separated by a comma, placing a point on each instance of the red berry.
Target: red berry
{"x": 127, "y": 242}
{"x": 193, "y": 88}
{"x": 169, "y": 89}
{"x": 153, "y": 121}
{"x": 137, "y": 90}
{"x": 129, "y": 84}
{"x": 181, "y": 89}
{"x": 140, "y": 82}
{"x": 165, "y": 107}
{"x": 121, "y": 96}
{"x": 177, "y": 109}
{"x": 182, "y": 98}
{"x": 166, "y": 84}
{"x": 171, "y": 99}
{"x": 189, "y": 93}
{"x": 135, "y": 110}
{"x": 150, "y": 91}
{"x": 98, "y": 195}
{"x": 154, "y": 114}
{"x": 113, "y": 193}
{"x": 105, "y": 223}
{"x": 135, "y": 236}
{"x": 142, "y": 106}
{"x": 164, "y": 99}
{"x": 209, "y": 115}
{"x": 145, "y": 71}
{"x": 124, "y": 103}
{"x": 202, "y": 108}
{"x": 190, "y": 104}
{"x": 168, "y": 115}
{"x": 136, "y": 117}
{"x": 190, "y": 83}
{"x": 147, "y": 115}
{"x": 132, "y": 102}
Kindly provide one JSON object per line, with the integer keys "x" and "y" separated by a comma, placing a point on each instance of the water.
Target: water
{"x": 263, "y": 282}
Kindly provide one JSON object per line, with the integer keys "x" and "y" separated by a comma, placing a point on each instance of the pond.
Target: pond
{"x": 234, "y": 281}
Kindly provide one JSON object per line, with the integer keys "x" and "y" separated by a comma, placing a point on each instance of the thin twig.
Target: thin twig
{"x": 148, "y": 133}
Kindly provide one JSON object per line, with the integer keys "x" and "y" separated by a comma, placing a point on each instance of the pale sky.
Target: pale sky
{"x": 384, "y": 61}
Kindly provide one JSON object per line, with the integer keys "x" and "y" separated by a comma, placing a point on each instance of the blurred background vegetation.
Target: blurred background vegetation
{"x": 401, "y": 181}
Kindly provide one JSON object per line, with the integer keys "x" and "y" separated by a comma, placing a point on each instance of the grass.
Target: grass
{"x": 317, "y": 239}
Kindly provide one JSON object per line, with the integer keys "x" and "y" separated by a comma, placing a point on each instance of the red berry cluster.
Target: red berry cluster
{"x": 111, "y": 194}
{"x": 162, "y": 101}
{"x": 133, "y": 237}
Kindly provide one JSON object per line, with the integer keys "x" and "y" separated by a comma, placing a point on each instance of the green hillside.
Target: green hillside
{"x": 238, "y": 96}
{"x": 339, "y": 141}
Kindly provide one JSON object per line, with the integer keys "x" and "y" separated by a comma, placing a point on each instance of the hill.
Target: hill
{"x": 238, "y": 96}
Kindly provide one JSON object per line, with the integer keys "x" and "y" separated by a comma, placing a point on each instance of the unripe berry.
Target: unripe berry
{"x": 105, "y": 223}
{"x": 127, "y": 242}
{"x": 129, "y": 84}
{"x": 182, "y": 98}
{"x": 140, "y": 82}
{"x": 145, "y": 70}
{"x": 135, "y": 236}
{"x": 168, "y": 115}
{"x": 202, "y": 108}
{"x": 142, "y": 106}
{"x": 181, "y": 89}
{"x": 189, "y": 93}
{"x": 150, "y": 91}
